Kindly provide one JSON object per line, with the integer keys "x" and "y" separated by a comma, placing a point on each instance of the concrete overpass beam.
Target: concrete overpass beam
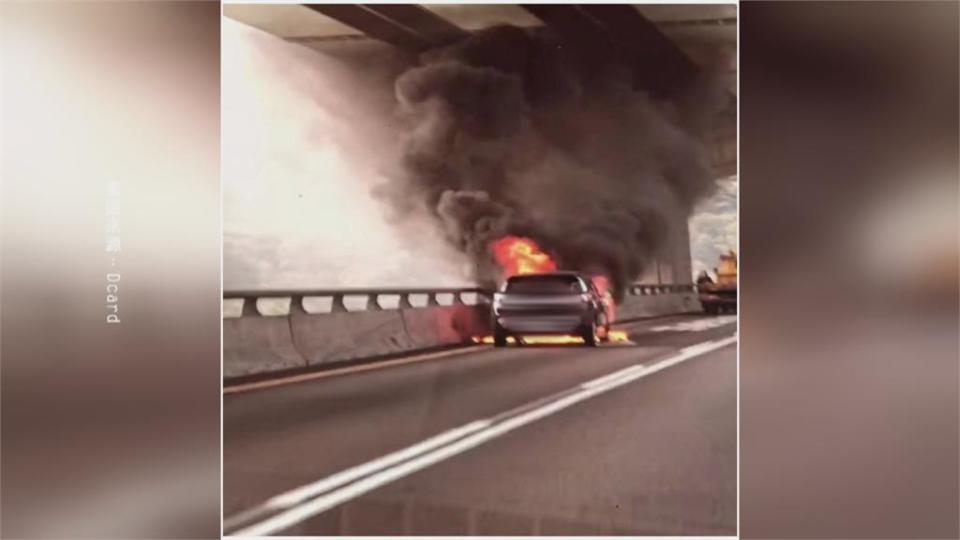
{"x": 373, "y": 25}
{"x": 422, "y": 22}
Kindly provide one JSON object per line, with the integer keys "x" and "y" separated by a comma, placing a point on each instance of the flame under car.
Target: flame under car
{"x": 550, "y": 303}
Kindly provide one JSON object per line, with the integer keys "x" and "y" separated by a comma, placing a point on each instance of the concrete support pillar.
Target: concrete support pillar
{"x": 250, "y": 307}
{"x": 296, "y": 305}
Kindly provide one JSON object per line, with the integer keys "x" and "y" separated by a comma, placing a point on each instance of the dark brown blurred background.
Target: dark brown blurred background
{"x": 110, "y": 430}
{"x": 848, "y": 366}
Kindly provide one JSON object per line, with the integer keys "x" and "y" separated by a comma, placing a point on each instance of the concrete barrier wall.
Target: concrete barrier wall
{"x": 635, "y": 307}
{"x": 445, "y": 325}
{"x": 256, "y": 344}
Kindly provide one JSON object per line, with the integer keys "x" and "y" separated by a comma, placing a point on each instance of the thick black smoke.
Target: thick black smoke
{"x": 510, "y": 134}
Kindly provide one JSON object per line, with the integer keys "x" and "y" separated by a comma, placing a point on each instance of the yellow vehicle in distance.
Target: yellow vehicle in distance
{"x": 720, "y": 296}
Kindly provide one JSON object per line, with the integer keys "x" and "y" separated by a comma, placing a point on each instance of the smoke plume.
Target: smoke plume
{"x": 508, "y": 133}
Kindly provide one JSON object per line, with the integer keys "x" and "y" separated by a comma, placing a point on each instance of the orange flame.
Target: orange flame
{"x": 615, "y": 336}
{"x": 618, "y": 335}
{"x": 535, "y": 340}
{"x": 517, "y": 255}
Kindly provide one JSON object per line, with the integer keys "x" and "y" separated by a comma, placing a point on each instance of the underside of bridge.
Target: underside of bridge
{"x": 666, "y": 46}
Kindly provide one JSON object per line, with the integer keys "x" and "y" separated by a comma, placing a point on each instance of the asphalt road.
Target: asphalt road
{"x": 505, "y": 441}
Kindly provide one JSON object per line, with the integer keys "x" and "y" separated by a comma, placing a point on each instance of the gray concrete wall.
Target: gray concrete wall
{"x": 635, "y": 307}
{"x": 256, "y": 344}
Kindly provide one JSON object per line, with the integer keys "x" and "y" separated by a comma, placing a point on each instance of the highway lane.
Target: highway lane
{"x": 656, "y": 455}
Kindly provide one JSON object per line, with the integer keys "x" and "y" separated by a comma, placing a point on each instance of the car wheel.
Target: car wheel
{"x": 499, "y": 336}
{"x": 603, "y": 332}
{"x": 590, "y": 338}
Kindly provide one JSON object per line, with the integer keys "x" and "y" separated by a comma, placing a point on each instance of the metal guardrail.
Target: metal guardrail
{"x": 373, "y": 296}
{"x": 642, "y": 289}
{"x": 337, "y": 297}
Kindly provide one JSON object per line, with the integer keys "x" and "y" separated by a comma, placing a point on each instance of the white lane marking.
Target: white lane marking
{"x": 631, "y": 374}
{"x": 348, "y": 370}
{"x": 694, "y": 326}
{"x": 302, "y": 493}
{"x": 613, "y": 376}
{"x": 490, "y": 431}
{"x": 310, "y": 490}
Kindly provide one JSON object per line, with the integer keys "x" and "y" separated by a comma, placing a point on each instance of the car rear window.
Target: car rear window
{"x": 544, "y": 285}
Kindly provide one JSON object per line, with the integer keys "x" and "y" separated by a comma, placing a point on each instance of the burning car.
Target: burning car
{"x": 551, "y": 303}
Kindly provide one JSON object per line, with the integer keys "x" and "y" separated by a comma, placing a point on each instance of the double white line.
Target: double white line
{"x": 292, "y": 507}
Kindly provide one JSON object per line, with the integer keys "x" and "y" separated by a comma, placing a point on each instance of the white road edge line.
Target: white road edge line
{"x": 695, "y": 325}
{"x": 479, "y": 436}
{"x": 613, "y": 376}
